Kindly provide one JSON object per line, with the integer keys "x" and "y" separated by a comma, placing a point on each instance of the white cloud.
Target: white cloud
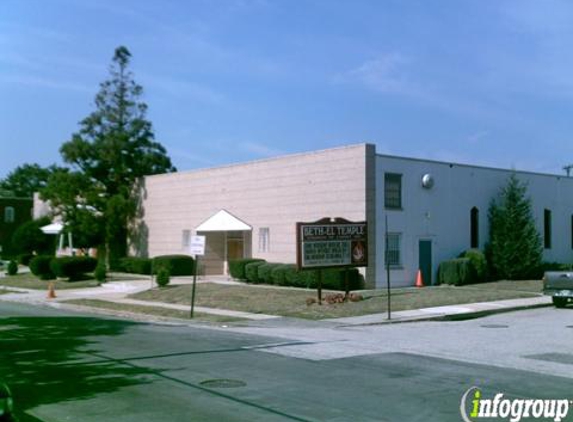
{"x": 384, "y": 74}
{"x": 260, "y": 149}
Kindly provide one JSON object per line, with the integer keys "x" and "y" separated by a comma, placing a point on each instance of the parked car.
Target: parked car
{"x": 558, "y": 285}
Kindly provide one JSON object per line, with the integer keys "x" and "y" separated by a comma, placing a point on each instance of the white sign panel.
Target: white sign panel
{"x": 197, "y": 245}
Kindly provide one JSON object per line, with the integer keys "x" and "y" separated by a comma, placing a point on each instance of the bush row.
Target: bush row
{"x": 259, "y": 271}
{"x": 47, "y": 267}
{"x": 175, "y": 264}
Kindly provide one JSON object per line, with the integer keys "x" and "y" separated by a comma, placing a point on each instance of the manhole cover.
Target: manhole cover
{"x": 223, "y": 383}
{"x": 570, "y": 326}
{"x": 495, "y": 326}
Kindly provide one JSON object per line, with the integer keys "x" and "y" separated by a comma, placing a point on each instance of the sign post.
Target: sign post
{"x": 197, "y": 249}
{"x": 331, "y": 243}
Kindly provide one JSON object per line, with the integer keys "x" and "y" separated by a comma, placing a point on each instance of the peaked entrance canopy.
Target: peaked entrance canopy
{"x": 222, "y": 221}
{"x": 54, "y": 228}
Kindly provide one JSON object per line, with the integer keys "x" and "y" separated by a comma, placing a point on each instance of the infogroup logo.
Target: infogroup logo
{"x": 474, "y": 406}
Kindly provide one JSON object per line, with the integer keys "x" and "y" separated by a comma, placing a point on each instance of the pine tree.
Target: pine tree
{"x": 514, "y": 249}
{"x": 114, "y": 147}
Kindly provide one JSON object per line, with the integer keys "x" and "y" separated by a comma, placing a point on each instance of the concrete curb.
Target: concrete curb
{"x": 446, "y": 317}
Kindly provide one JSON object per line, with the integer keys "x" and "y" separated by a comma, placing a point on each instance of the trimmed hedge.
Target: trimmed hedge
{"x": 40, "y": 267}
{"x": 457, "y": 272}
{"x": 278, "y": 274}
{"x": 237, "y": 267}
{"x": 252, "y": 271}
{"x": 12, "y": 268}
{"x": 176, "y": 264}
{"x": 162, "y": 279}
{"x": 479, "y": 263}
{"x": 72, "y": 267}
{"x": 259, "y": 271}
{"x": 100, "y": 273}
{"x": 135, "y": 265}
{"x": 25, "y": 258}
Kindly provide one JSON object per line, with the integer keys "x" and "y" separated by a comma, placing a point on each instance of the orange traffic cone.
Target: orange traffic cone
{"x": 51, "y": 291}
{"x": 419, "y": 281}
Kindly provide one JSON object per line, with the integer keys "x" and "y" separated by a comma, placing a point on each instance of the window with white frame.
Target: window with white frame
{"x": 264, "y": 239}
{"x": 9, "y": 215}
{"x": 393, "y": 250}
{"x": 186, "y": 239}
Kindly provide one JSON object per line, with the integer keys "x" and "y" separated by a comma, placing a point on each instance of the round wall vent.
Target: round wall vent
{"x": 427, "y": 181}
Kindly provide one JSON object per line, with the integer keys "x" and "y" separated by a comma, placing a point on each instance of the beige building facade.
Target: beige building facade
{"x": 262, "y": 201}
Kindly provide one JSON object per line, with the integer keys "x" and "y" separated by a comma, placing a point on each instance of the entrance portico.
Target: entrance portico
{"x": 227, "y": 237}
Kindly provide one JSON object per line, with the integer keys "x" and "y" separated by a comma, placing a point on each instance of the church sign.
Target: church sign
{"x": 332, "y": 243}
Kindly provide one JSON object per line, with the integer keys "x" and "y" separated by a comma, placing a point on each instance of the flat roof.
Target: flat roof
{"x": 475, "y": 166}
{"x": 357, "y": 145}
{"x": 264, "y": 160}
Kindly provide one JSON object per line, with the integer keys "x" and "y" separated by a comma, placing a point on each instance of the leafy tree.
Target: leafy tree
{"x": 28, "y": 238}
{"x": 514, "y": 249}
{"x": 26, "y": 179}
{"x": 114, "y": 148}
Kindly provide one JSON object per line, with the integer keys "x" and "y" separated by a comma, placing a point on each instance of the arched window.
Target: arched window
{"x": 474, "y": 228}
{"x": 9, "y": 215}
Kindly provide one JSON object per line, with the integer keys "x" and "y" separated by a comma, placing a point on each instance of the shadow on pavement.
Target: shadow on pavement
{"x": 50, "y": 360}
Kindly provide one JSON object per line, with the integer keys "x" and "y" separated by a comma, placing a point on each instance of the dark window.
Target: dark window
{"x": 547, "y": 229}
{"x": 393, "y": 190}
{"x": 9, "y": 214}
{"x": 474, "y": 228}
{"x": 393, "y": 250}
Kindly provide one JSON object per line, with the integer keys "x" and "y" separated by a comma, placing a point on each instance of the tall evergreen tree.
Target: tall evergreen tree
{"x": 514, "y": 250}
{"x": 114, "y": 147}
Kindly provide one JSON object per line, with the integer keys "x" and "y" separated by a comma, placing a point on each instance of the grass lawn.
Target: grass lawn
{"x": 5, "y": 292}
{"x": 292, "y": 303}
{"x": 151, "y": 310}
{"x": 30, "y": 281}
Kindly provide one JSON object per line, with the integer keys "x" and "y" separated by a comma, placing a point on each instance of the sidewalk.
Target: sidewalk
{"x": 118, "y": 292}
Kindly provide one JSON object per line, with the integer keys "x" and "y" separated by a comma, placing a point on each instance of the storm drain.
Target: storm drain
{"x": 494, "y": 326}
{"x": 223, "y": 383}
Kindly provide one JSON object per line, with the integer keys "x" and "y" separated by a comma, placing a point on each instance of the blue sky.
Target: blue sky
{"x": 480, "y": 82}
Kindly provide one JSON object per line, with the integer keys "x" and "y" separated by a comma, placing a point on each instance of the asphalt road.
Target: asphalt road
{"x": 64, "y": 366}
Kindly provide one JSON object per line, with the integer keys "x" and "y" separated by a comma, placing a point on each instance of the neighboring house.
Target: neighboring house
{"x": 435, "y": 210}
{"x": 13, "y": 213}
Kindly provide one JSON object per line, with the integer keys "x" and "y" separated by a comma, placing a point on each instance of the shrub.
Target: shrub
{"x": 457, "y": 272}
{"x": 264, "y": 272}
{"x": 40, "y": 267}
{"x": 550, "y": 266}
{"x": 252, "y": 271}
{"x": 479, "y": 263}
{"x": 25, "y": 258}
{"x": 100, "y": 272}
{"x": 12, "y": 268}
{"x": 176, "y": 264}
{"x": 135, "y": 265}
{"x": 296, "y": 278}
{"x": 237, "y": 267}
{"x": 334, "y": 279}
{"x": 278, "y": 274}
{"x": 28, "y": 238}
{"x": 163, "y": 277}
{"x": 72, "y": 267}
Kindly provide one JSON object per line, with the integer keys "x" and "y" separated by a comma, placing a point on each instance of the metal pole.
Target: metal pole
{"x": 388, "y": 272}
{"x": 320, "y": 287}
{"x": 194, "y": 285}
